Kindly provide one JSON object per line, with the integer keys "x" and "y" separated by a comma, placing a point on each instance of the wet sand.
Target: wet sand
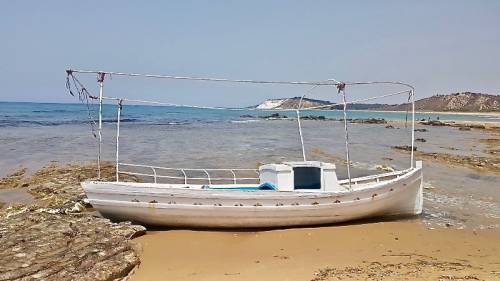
{"x": 363, "y": 251}
{"x": 15, "y": 196}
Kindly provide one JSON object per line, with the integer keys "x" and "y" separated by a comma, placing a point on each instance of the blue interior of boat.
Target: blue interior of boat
{"x": 264, "y": 186}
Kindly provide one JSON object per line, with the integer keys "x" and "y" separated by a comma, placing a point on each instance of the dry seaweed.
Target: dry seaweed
{"x": 420, "y": 268}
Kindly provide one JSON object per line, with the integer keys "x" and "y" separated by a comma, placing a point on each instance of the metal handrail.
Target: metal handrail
{"x": 185, "y": 177}
{"x": 374, "y": 177}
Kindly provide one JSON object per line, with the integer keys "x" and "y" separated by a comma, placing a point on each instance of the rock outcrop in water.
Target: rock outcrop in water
{"x": 56, "y": 238}
{"x": 277, "y": 116}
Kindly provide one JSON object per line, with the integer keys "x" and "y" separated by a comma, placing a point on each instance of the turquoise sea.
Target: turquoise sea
{"x": 14, "y": 114}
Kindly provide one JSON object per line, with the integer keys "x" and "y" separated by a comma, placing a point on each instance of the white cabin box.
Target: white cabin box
{"x": 329, "y": 181}
{"x": 280, "y": 175}
{"x": 305, "y": 175}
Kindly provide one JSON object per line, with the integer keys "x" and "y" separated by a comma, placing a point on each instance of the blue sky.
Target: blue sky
{"x": 439, "y": 46}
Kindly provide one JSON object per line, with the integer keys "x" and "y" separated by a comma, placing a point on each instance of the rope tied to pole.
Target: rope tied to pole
{"x": 100, "y": 76}
{"x": 84, "y": 96}
{"x": 340, "y": 87}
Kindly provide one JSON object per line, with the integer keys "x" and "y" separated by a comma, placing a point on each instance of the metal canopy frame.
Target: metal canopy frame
{"x": 339, "y": 86}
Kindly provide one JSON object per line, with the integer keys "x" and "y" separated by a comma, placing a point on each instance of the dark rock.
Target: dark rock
{"x": 404, "y": 147}
{"x": 420, "y": 130}
{"x": 313, "y": 117}
{"x": 433, "y": 123}
{"x": 476, "y": 126}
{"x": 370, "y": 121}
{"x": 274, "y": 116}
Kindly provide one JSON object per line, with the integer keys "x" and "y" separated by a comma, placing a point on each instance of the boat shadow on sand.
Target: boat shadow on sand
{"x": 371, "y": 220}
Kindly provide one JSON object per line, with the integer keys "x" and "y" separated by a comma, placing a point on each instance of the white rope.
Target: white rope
{"x": 357, "y": 101}
{"x": 379, "y": 82}
{"x": 319, "y": 108}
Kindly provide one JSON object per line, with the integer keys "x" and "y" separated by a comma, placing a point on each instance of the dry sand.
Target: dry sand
{"x": 365, "y": 251}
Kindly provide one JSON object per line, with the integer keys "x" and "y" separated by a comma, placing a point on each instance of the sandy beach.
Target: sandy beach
{"x": 463, "y": 246}
{"x": 362, "y": 251}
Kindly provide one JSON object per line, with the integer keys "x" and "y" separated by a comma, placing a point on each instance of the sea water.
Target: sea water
{"x": 16, "y": 114}
{"x": 33, "y": 134}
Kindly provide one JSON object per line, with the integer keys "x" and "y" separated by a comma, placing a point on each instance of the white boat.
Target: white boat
{"x": 285, "y": 194}
{"x": 396, "y": 193}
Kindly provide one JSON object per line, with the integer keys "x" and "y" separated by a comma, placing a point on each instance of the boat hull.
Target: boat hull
{"x": 168, "y": 205}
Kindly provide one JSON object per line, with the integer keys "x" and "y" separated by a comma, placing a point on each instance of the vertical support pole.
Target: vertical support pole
{"x": 301, "y": 138}
{"x": 341, "y": 88}
{"x": 154, "y": 174}
{"x": 412, "y": 92}
{"x": 118, "y": 117}
{"x": 300, "y": 130}
{"x": 100, "y": 79}
{"x": 185, "y": 176}
{"x": 234, "y": 176}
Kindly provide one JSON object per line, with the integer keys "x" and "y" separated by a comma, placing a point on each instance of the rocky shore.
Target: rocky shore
{"x": 56, "y": 236}
{"x": 464, "y": 126}
{"x": 277, "y": 116}
{"x": 490, "y": 164}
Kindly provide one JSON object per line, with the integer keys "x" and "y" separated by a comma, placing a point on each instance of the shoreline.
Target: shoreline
{"x": 493, "y": 113}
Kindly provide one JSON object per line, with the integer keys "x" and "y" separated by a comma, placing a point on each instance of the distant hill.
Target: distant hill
{"x": 290, "y": 103}
{"x": 458, "y": 102}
